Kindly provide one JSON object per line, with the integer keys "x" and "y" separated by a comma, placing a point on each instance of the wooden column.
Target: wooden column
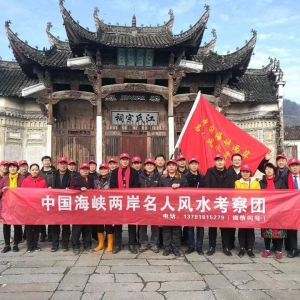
{"x": 171, "y": 116}
{"x": 99, "y": 120}
{"x": 49, "y": 124}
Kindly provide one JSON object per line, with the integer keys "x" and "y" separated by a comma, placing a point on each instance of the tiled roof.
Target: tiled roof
{"x": 13, "y": 80}
{"x": 292, "y": 133}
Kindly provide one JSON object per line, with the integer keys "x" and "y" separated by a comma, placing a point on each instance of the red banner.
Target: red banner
{"x": 210, "y": 133}
{"x": 155, "y": 206}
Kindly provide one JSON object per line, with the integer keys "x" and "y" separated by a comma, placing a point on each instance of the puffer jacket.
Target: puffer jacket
{"x": 38, "y": 182}
{"x": 167, "y": 181}
{"x": 146, "y": 180}
{"x": 241, "y": 184}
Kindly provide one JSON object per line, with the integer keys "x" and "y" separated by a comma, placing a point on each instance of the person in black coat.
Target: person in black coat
{"x": 218, "y": 177}
{"x": 196, "y": 180}
{"x": 124, "y": 177}
{"x": 172, "y": 234}
{"x": 149, "y": 178}
{"x": 61, "y": 180}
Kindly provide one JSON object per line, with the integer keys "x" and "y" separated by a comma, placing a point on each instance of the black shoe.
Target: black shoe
{"x": 293, "y": 253}
{"x": 43, "y": 238}
{"x": 37, "y": 249}
{"x": 29, "y": 250}
{"x": 132, "y": 249}
{"x": 65, "y": 249}
{"x": 76, "y": 251}
{"x": 6, "y": 249}
{"x": 54, "y": 249}
{"x": 189, "y": 250}
{"x": 227, "y": 252}
{"x": 166, "y": 252}
{"x": 16, "y": 248}
{"x": 116, "y": 250}
{"x": 211, "y": 251}
{"x": 241, "y": 253}
{"x": 91, "y": 250}
{"x": 250, "y": 253}
{"x": 200, "y": 251}
{"x": 177, "y": 253}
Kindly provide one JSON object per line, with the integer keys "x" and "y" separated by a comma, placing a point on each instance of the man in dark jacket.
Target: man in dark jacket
{"x": 136, "y": 163}
{"x": 124, "y": 177}
{"x": 23, "y": 168}
{"x": 172, "y": 234}
{"x": 61, "y": 180}
{"x": 149, "y": 178}
{"x": 93, "y": 169}
{"x": 218, "y": 177}
{"x": 181, "y": 162}
{"x": 195, "y": 180}
{"x": 72, "y": 169}
{"x": 47, "y": 172}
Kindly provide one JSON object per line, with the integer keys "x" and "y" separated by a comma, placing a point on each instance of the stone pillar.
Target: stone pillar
{"x": 171, "y": 116}
{"x": 99, "y": 121}
{"x": 49, "y": 125}
{"x": 280, "y": 94}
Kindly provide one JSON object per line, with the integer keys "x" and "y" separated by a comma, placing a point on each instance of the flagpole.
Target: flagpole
{"x": 188, "y": 119}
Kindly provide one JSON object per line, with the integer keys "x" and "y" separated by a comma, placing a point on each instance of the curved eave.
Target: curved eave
{"x": 55, "y": 42}
{"x": 210, "y": 46}
{"x": 267, "y": 70}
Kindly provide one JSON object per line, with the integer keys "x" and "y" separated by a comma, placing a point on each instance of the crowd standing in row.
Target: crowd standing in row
{"x": 152, "y": 173}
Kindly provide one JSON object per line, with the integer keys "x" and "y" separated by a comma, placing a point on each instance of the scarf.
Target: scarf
{"x": 123, "y": 181}
{"x": 270, "y": 183}
{"x": 291, "y": 181}
{"x": 13, "y": 180}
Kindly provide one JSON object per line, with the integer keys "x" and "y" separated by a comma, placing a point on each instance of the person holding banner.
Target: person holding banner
{"x": 172, "y": 234}
{"x": 35, "y": 180}
{"x": 3, "y": 173}
{"x": 82, "y": 183}
{"x": 102, "y": 182}
{"x": 218, "y": 177}
{"x": 293, "y": 180}
{"x": 195, "y": 179}
{"x": 12, "y": 180}
{"x": 271, "y": 181}
{"x": 149, "y": 178}
{"x": 246, "y": 235}
{"x": 124, "y": 177}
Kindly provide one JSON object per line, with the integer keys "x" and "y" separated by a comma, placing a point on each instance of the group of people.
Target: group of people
{"x": 133, "y": 173}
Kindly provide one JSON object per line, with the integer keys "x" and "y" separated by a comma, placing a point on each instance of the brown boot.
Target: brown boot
{"x": 100, "y": 242}
{"x": 110, "y": 243}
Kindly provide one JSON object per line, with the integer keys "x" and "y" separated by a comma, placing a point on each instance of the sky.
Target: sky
{"x": 277, "y": 23}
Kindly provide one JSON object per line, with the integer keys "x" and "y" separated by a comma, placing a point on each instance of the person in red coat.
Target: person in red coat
{"x": 35, "y": 180}
{"x": 12, "y": 180}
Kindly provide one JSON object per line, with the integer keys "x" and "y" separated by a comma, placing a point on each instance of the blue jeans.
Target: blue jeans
{"x": 199, "y": 237}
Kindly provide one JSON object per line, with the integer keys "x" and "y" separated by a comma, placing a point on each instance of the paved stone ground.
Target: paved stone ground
{"x": 89, "y": 276}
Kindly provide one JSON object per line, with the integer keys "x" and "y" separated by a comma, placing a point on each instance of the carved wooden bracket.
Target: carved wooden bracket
{"x": 70, "y": 95}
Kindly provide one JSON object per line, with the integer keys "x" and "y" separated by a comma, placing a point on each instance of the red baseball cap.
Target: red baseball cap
{"x": 23, "y": 162}
{"x": 193, "y": 159}
{"x": 103, "y": 166}
{"x": 71, "y": 162}
{"x": 294, "y": 161}
{"x": 14, "y": 163}
{"x": 85, "y": 165}
{"x": 219, "y": 156}
{"x": 171, "y": 161}
{"x": 92, "y": 162}
{"x": 281, "y": 156}
{"x": 113, "y": 160}
{"x": 4, "y": 162}
{"x": 62, "y": 160}
{"x": 136, "y": 159}
{"x": 245, "y": 167}
{"x": 149, "y": 161}
{"x": 179, "y": 157}
{"x": 124, "y": 155}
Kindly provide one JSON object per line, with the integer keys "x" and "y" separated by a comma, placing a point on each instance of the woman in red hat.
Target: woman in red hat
{"x": 246, "y": 235}
{"x": 35, "y": 180}
{"x": 271, "y": 181}
{"x": 102, "y": 182}
{"x": 12, "y": 180}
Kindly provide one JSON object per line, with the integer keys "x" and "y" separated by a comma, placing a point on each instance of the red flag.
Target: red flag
{"x": 207, "y": 133}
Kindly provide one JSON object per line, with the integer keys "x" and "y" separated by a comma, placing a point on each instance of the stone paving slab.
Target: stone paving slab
{"x": 199, "y": 295}
{"x": 139, "y": 269}
{"x": 133, "y": 296}
{"x": 171, "y": 276}
{"x": 217, "y": 282}
{"x": 38, "y": 278}
{"x": 205, "y": 268}
{"x": 73, "y": 283}
{"x": 28, "y": 295}
{"x": 183, "y": 286}
{"x": 284, "y": 294}
{"x": 270, "y": 285}
{"x": 92, "y": 296}
{"x": 28, "y": 287}
{"x": 234, "y": 294}
{"x": 43, "y": 270}
{"x": 127, "y": 262}
{"x": 111, "y": 286}
{"x": 69, "y": 295}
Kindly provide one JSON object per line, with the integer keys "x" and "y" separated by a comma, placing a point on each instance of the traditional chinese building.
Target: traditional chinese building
{"x": 128, "y": 89}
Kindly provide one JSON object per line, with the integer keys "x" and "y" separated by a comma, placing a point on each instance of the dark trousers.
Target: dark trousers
{"x": 109, "y": 229}
{"x": 277, "y": 244}
{"x": 246, "y": 238}
{"x": 212, "y": 236}
{"x": 292, "y": 240}
{"x": 172, "y": 237}
{"x": 86, "y": 231}
{"x": 232, "y": 237}
{"x": 32, "y": 236}
{"x": 66, "y": 231}
{"x": 118, "y": 235}
{"x": 17, "y": 234}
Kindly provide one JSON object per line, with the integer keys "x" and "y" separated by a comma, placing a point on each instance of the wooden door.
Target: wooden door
{"x": 74, "y": 130}
{"x": 135, "y": 144}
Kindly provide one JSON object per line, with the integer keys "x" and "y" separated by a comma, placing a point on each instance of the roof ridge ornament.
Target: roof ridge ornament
{"x": 214, "y": 33}
{"x": 61, "y": 2}
{"x": 96, "y": 11}
{"x": 7, "y": 23}
{"x": 254, "y": 32}
{"x": 171, "y": 14}
{"x": 49, "y": 26}
{"x": 206, "y": 6}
